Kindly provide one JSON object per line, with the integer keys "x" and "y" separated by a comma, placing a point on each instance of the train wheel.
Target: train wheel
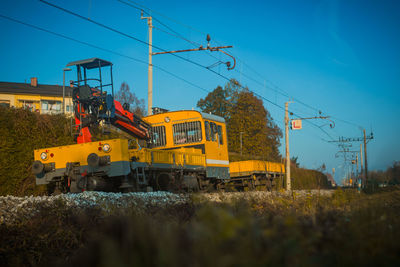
{"x": 164, "y": 182}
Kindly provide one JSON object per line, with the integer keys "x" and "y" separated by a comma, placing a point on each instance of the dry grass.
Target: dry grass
{"x": 344, "y": 229}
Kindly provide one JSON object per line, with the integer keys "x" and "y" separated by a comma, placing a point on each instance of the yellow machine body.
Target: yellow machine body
{"x": 193, "y": 129}
{"x": 249, "y": 167}
{"x": 187, "y": 145}
{"x": 61, "y": 155}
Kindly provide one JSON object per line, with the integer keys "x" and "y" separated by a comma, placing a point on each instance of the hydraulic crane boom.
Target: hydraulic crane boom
{"x": 92, "y": 104}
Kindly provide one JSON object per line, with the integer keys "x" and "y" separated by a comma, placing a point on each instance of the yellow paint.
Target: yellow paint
{"x": 180, "y": 157}
{"x": 8, "y": 97}
{"x": 213, "y": 150}
{"x": 79, "y": 152}
{"x": 35, "y": 101}
{"x": 250, "y": 166}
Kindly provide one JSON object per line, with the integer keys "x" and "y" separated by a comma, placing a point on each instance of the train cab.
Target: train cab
{"x": 193, "y": 129}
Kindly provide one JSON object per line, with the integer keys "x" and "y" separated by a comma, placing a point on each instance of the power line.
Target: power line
{"x": 194, "y": 43}
{"x": 103, "y": 49}
{"x": 122, "y": 33}
{"x": 188, "y": 60}
{"x": 177, "y": 34}
{"x": 174, "y": 33}
{"x": 275, "y": 89}
{"x": 142, "y": 7}
{"x": 110, "y": 51}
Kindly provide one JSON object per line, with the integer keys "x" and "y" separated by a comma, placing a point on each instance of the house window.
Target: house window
{"x": 44, "y": 105}
{"x": 158, "y": 136}
{"x": 5, "y": 103}
{"x": 28, "y": 104}
{"x": 51, "y": 106}
{"x": 187, "y": 132}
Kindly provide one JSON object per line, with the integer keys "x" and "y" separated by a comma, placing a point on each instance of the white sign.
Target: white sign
{"x": 296, "y": 124}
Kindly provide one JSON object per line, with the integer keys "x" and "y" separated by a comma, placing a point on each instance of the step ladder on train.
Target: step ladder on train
{"x": 140, "y": 176}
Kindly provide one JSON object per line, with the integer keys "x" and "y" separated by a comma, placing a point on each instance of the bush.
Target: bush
{"x": 22, "y": 131}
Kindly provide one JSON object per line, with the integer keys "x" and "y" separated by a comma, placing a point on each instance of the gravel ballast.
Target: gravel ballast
{"x": 13, "y": 209}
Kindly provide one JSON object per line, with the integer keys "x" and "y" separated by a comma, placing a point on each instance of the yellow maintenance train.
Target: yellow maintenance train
{"x": 186, "y": 150}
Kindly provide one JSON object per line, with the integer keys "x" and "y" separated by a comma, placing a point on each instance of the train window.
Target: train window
{"x": 221, "y": 141}
{"x": 207, "y": 130}
{"x": 187, "y": 132}
{"x": 213, "y": 127}
{"x": 158, "y": 136}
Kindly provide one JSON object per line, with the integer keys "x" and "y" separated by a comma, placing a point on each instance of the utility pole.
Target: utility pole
{"x": 362, "y": 168}
{"x": 364, "y": 139}
{"x": 357, "y": 173}
{"x": 296, "y": 125}
{"x": 288, "y": 184}
{"x": 365, "y": 158}
{"x": 63, "y": 103}
{"x": 241, "y": 143}
{"x": 150, "y": 73}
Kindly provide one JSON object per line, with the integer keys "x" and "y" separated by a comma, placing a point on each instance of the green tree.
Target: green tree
{"x": 244, "y": 113}
{"x": 260, "y": 135}
{"x": 221, "y": 100}
{"x": 136, "y": 105}
{"x": 394, "y": 173}
{"x": 295, "y": 162}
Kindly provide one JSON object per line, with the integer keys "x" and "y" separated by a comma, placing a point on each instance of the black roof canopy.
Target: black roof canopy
{"x": 90, "y": 63}
{"x": 40, "y": 89}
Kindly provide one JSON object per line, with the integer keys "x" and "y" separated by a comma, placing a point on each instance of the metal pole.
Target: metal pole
{"x": 288, "y": 185}
{"x": 361, "y": 165}
{"x": 241, "y": 144}
{"x": 63, "y": 92}
{"x": 365, "y": 158}
{"x": 150, "y": 71}
{"x": 357, "y": 167}
{"x": 150, "y": 91}
{"x": 64, "y": 70}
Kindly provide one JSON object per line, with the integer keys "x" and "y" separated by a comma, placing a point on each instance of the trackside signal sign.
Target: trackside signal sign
{"x": 296, "y": 124}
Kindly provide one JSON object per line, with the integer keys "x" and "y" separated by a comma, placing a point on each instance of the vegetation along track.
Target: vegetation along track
{"x": 14, "y": 209}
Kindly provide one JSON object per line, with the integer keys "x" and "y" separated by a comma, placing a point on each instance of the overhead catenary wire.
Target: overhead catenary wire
{"x": 174, "y": 33}
{"x": 134, "y": 38}
{"x": 103, "y": 49}
{"x": 194, "y": 43}
{"x": 274, "y": 87}
{"x": 157, "y": 47}
{"x": 109, "y": 51}
{"x": 178, "y": 35}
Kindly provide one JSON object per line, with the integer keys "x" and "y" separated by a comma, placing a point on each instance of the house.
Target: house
{"x": 43, "y": 98}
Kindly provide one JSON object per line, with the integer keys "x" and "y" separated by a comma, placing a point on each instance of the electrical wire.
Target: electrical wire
{"x": 103, "y": 49}
{"x": 112, "y": 52}
{"x": 275, "y": 87}
{"x": 185, "y": 59}
{"x": 122, "y": 33}
{"x": 174, "y": 33}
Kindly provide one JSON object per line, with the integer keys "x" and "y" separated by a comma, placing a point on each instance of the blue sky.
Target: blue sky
{"x": 340, "y": 57}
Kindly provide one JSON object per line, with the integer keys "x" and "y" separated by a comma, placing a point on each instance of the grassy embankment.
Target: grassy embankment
{"x": 345, "y": 229}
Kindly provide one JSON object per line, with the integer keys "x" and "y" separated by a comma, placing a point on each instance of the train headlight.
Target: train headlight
{"x": 43, "y": 156}
{"x": 106, "y": 148}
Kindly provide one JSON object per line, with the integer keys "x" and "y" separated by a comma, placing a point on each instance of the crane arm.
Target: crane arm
{"x": 91, "y": 107}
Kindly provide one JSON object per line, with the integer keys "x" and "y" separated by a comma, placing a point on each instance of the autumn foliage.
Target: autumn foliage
{"x": 252, "y": 132}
